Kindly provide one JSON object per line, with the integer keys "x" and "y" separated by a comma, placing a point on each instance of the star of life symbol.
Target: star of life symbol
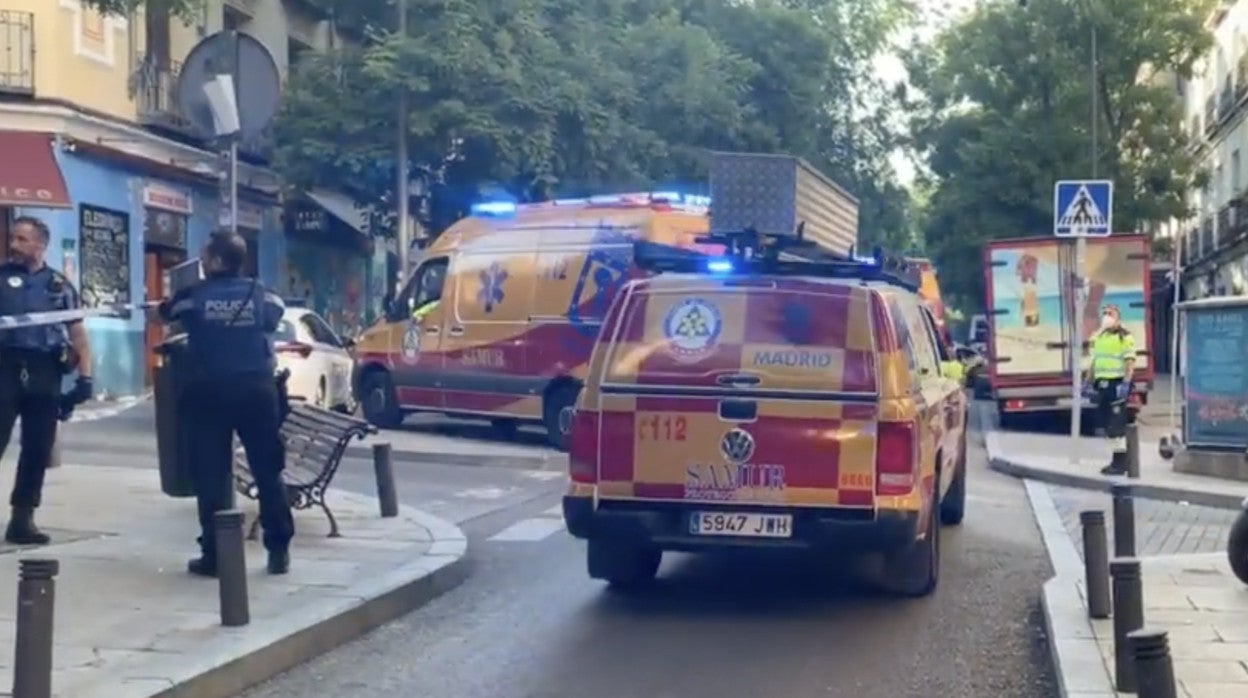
{"x": 692, "y": 328}
{"x": 491, "y": 293}
{"x": 411, "y": 343}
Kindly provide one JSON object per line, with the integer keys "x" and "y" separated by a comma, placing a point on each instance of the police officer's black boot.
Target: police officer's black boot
{"x": 202, "y": 566}
{"x": 1117, "y": 466}
{"x": 279, "y": 561}
{"x": 205, "y": 565}
{"x": 22, "y": 529}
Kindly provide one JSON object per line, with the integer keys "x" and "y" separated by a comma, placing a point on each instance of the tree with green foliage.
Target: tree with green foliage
{"x": 1006, "y": 111}
{"x": 553, "y": 96}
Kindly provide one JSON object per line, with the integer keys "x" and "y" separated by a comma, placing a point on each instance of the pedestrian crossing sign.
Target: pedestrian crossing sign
{"x": 1083, "y": 208}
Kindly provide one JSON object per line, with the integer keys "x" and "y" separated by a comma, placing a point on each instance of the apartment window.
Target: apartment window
{"x": 1234, "y": 174}
{"x": 1220, "y": 184}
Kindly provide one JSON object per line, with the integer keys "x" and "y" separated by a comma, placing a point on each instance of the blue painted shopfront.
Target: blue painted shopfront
{"x": 118, "y": 345}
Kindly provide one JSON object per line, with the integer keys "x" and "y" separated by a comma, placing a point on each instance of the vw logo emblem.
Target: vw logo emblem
{"x": 737, "y": 446}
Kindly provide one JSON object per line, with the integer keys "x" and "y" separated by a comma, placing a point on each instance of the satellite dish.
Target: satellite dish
{"x": 256, "y": 82}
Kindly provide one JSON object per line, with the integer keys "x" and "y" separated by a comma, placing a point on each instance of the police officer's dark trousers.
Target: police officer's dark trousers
{"x": 30, "y": 388}
{"x": 1112, "y": 416}
{"x": 246, "y": 405}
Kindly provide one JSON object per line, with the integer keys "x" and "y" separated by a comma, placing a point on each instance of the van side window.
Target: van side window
{"x": 942, "y": 351}
{"x": 424, "y": 288}
{"x": 922, "y": 344}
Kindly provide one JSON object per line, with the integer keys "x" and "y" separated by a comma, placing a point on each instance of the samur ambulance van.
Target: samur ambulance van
{"x": 750, "y": 402}
{"x": 500, "y": 315}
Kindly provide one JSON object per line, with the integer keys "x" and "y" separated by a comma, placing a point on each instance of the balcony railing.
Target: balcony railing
{"x": 17, "y": 52}
{"x": 154, "y": 87}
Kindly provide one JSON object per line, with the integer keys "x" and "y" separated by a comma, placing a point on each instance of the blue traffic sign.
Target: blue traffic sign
{"x": 1083, "y": 208}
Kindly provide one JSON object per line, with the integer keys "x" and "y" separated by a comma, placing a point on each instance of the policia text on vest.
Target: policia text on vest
{"x": 1111, "y": 371}
{"x": 33, "y": 361}
{"x": 231, "y": 388}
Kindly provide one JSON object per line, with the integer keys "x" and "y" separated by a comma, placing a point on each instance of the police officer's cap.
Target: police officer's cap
{"x": 229, "y": 247}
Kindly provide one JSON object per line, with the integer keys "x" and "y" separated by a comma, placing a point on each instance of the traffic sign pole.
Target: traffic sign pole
{"x": 1076, "y": 363}
{"x": 1081, "y": 209}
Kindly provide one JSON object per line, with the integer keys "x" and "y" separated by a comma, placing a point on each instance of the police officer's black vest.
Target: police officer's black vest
{"x": 225, "y": 330}
{"x": 23, "y": 292}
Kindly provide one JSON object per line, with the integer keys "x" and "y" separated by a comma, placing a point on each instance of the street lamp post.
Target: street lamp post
{"x": 1081, "y": 242}
{"x": 403, "y": 234}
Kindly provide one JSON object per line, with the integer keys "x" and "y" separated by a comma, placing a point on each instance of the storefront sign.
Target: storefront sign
{"x": 311, "y": 220}
{"x": 105, "y": 251}
{"x": 18, "y": 196}
{"x": 250, "y": 217}
{"x": 1215, "y": 413}
{"x": 167, "y": 199}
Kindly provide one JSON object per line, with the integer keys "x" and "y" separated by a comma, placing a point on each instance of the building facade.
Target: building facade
{"x": 94, "y": 144}
{"x": 1214, "y": 245}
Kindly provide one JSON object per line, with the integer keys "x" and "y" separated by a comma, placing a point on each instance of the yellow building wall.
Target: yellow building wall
{"x": 87, "y": 59}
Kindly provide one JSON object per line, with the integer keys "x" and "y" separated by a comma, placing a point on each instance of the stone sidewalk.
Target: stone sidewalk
{"x": 1193, "y": 597}
{"x": 1046, "y": 457}
{"x": 130, "y": 623}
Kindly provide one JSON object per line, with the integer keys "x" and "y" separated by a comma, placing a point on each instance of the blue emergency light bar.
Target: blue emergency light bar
{"x": 749, "y": 252}
{"x": 504, "y": 209}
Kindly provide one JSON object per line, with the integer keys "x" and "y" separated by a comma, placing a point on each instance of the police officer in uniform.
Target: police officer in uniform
{"x": 33, "y": 361}
{"x": 231, "y": 388}
{"x": 1112, "y": 369}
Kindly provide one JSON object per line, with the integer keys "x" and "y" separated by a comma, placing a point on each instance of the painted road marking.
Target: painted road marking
{"x": 544, "y": 475}
{"x": 556, "y": 510}
{"x": 529, "y": 531}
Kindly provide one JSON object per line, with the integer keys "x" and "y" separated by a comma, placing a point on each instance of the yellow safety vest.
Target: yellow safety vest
{"x": 1110, "y": 353}
{"x": 424, "y": 310}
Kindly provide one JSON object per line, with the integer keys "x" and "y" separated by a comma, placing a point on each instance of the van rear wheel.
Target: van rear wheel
{"x": 379, "y": 402}
{"x": 624, "y": 566}
{"x": 557, "y": 409}
{"x": 914, "y": 570}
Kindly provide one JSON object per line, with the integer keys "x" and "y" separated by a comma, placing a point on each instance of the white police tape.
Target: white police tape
{"x": 53, "y": 317}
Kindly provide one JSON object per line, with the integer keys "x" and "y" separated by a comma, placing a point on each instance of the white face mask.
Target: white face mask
{"x": 1107, "y": 321}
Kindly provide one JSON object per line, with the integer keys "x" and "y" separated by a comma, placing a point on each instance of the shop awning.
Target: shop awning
{"x": 341, "y": 207}
{"x": 29, "y": 174}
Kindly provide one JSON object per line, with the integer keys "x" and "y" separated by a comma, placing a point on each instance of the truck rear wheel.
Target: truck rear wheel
{"x": 624, "y": 566}
{"x": 914, "y": 570}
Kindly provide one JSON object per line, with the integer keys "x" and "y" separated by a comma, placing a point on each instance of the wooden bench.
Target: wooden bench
{"x": 315, "y": 440}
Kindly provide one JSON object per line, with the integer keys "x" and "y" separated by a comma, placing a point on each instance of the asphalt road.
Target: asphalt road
{"x": 528, "y": 623}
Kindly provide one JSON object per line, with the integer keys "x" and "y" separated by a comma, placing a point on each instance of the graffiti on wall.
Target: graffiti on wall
{"x": 333, "y": 282}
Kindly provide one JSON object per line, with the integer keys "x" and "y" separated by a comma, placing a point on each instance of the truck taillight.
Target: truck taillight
{"x": 583, "y": 448}
{"x": 895, "y": 462}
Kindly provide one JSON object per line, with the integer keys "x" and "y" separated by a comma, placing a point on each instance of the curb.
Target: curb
{"x": 220, "y": 670}
{"x": 398, "y": 455}
{"x": 1101, "y": 483}
{"x": 1077, "y": 662}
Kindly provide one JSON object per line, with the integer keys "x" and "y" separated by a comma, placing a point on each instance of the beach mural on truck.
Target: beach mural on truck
{"x": 1114, "y": 278}
{"x": 1027, "y": 297}
{"x": 1034, "y": 318}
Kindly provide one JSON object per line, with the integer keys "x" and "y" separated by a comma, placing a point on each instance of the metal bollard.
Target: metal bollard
{"x": 1128, "y": 617}
{"x": 1133, "y": 451}
{"x": 1154, "y": 671}
{"x": 383, "y": 467}
{"x": 232, "y": 569}
{"x": 1124, "y": 520}
{"x": 1095, "y": 562}
{"x": 36, "y": 597}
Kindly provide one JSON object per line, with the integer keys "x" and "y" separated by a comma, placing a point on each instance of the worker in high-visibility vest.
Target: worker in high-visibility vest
{"x": 1111, "y": 370}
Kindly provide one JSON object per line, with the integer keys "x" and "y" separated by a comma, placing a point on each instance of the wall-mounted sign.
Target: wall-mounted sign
{"x": 19, "y": 196}
{"x": 167, "y": 199}
{"x": 104, "y": 237}
{"x": 310, "y": 220}
{"x": 250, "y": 217}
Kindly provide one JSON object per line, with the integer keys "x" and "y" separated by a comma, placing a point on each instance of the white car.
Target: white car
{"x": 318, "y": 359}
